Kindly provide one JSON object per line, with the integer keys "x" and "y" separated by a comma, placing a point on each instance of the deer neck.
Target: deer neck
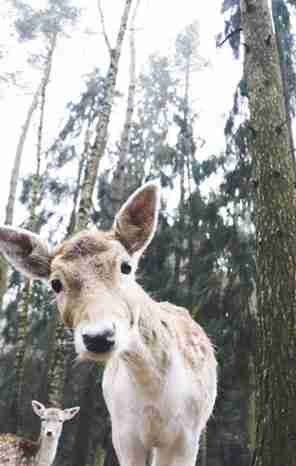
{"x": 47, "y": 451}
{"x": 147, "y": 353}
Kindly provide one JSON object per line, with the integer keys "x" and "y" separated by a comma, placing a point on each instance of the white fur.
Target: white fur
{"x": 11, "y": 447}
{"x": 160, "y": 378}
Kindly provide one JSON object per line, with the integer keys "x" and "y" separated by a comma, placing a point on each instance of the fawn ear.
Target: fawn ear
{"x": 25, "y": 251}
{"x": 70, "y": 413}
{"x": 38, "y": 408}
{"x": 136, "y": 221}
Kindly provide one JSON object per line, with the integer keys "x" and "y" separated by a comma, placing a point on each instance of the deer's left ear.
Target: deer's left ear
{"x": 136, "y": 221}
{"x": 70, "y": 413}
{"x": 38, "y": 408}
{"x": 25, "y": 251}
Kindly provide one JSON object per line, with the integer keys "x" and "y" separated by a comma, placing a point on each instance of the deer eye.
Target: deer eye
{"x": 56, "y": 285}
{"x": 126, "y": 268}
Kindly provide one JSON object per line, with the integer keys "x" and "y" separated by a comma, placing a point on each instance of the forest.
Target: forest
{"x": 225, "y": 244}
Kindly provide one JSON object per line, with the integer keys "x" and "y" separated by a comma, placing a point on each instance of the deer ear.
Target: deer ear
{"x": 25, "y": 251}
{"x": 70, "y": 413}
{"x": 38, "y": 408}
{"x": 136, "y": 221}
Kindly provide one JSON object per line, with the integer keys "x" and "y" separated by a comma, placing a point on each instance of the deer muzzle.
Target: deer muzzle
{"x": 100, "y": 342}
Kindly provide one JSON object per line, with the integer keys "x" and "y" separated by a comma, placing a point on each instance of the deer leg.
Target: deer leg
{"x": 175, "y": 456}
{"x": 129, "y": 450}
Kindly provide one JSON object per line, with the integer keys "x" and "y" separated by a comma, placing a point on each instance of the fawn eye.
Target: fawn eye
{"x": 126, "y": 268}
{"x": 56, "y": 285}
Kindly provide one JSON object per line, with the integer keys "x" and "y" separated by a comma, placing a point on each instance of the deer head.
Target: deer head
{"x": 52, "y": 419}
{"x": 92, "y": 274}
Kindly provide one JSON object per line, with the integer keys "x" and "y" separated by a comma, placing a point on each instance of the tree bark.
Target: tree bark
{"x": 13, "y": 185}
{"x": 56, "y": 373}
{"x": 276, "y": 240}
{"x": 284, "y": 74}
{"x": 119, "y": 177}
{"x": 36, "y": 185}
{"x": 98, "y": 148}
{"x": 72, "y": 221}
{"x": 18, "y": 158}
{"x": 33, "y": 226}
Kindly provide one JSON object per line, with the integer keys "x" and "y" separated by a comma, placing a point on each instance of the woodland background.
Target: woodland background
{"x": 204, "y": 255}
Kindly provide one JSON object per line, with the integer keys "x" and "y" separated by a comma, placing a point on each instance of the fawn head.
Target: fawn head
{"x": 52, "y": 419}
{"x": 92, "y": 273}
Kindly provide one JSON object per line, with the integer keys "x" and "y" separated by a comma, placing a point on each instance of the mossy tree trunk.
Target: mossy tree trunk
{"x": 276, "y": 241}
{"x": 279, "y": 27}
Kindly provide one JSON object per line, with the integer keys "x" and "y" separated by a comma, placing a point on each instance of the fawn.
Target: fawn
{"x": 160, "y": 379}
{"x": 17, "y": 451}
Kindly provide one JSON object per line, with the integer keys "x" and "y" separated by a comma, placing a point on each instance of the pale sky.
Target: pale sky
{"x": 158, "y": 23}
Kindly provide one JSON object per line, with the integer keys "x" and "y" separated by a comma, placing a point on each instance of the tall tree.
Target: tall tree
{"x": 275, "y": 239}
{"x": 119, "y": 176}
{"x": 47, "y": 23}
{"x": 29, "y": 24}
{"x": 14, "y": 178}
{"x": 286, "y": 49}
{"x": 34, "y": 225}
{"x": 187, "y": 61}
{"x": 98, "y": 147}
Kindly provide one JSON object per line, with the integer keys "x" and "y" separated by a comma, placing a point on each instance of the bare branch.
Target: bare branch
{"x": 236, "y": 31}
{"x": 102, "y": 19}
{"x": 133, "y": 18}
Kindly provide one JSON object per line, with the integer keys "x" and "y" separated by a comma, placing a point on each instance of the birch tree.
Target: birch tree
{"x": 33, "y": 225}
{"x": 99, "y": 145}
{"x": 118, "y": 181}
{"x": 47, "y": 24}
{"x": 14, "y": 178}
{"x": 275, "y": 240}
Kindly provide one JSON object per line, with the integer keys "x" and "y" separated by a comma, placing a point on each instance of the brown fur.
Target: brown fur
{"x": 160, "y": 378}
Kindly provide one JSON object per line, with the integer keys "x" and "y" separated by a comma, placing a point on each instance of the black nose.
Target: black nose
{"x": 48, "y": 433}
{"x": 100, "y": 343}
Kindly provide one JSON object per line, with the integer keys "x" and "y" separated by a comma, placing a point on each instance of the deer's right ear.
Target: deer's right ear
{"x": 38, "y": 408}
{"x": 136, "y": 221}
{"x": 25, "y": 251}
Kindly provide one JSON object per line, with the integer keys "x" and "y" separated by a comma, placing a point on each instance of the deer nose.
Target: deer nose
{"x": 101, "y": 342}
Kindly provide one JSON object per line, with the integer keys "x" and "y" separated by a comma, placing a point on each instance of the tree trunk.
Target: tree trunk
{"x": 72, "y": 221}
{"x": 276, "y": 240}
{"x": 56, "y": 374}
{"x": 13, "y": 185}
{"x": 18, "y": 157}
{"x": 284, "y": 74}
{"x": 33, "y": 226}
{"x": 119, "y": 177}
{"x": 98, "y": 148}
{"x": 183, "y": 152}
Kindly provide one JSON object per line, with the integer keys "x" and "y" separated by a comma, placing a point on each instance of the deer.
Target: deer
{"x": 18, "y": 451}
{"x": 160, "y": 375}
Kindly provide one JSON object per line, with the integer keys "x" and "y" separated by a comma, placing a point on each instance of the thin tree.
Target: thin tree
{"x": 34, "y": 225}
{"x": 98, "y": 147}
{"x": 118, "y": 181}
{"x": 275, "y": 240}
{"x": 13, "y": 184}
{"x": 187, "y": 60}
